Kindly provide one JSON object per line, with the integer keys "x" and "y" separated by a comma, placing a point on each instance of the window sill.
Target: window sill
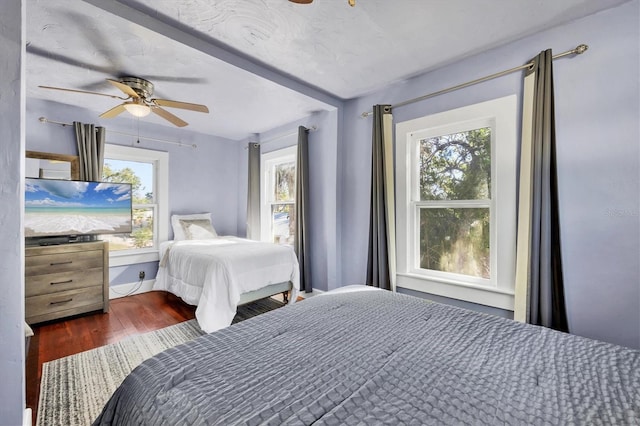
{"x": 489, "y": 296}
{"x": 123, "y": 259}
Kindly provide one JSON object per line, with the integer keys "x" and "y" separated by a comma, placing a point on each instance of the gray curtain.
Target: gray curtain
{"x": 301, "y": 239}
{"x": 381, "y": 265}
{"x": 90, "y": 141}
{"x": 253, "y": 196}
{"x": 539, "y": 278}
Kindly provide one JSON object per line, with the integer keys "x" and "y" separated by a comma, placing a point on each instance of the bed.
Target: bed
{"x": 376, "y": 357}
{"x": 218, "y": 273}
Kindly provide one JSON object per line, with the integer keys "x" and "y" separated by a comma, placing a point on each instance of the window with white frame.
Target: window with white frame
{"x": 456, "y": 203}
{"x": 278, "y": 188}
{"x": 147, "y": 172}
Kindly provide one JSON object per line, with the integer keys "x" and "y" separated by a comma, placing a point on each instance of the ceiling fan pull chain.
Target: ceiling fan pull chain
{"x": 138, "y": 127}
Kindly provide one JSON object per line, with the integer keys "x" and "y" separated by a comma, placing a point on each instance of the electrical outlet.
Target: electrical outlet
{"x": 141, "y": 275}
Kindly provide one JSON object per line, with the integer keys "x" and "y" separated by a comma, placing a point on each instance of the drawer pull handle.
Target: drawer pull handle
{"x": 61, "y": 263}
{"x": 62, "y": 282}
{"x": 62, "y": 301}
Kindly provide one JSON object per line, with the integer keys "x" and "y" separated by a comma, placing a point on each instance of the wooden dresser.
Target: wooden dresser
{"x": 66, "y": 279}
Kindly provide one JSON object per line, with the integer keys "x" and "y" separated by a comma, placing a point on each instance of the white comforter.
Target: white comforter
{"x": 213, "y": 273}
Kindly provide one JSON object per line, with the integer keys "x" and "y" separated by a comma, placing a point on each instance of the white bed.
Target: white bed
{"x": 218, "y": 274}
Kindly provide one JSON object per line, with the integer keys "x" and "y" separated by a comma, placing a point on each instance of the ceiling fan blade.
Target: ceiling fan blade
{"x": 168, "y": 116}
{"x": 83, "y": 91}
{"x": 35, "y": 50}
{"x": 113, "y": 111}
{"x": 182, "y": 105}
{"x": 126, "y": 89}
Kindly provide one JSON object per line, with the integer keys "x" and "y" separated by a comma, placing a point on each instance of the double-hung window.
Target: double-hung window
{"x": 146, "y": 171}
{"x": 456, "y": 203}
{"x": 278, "y": 188}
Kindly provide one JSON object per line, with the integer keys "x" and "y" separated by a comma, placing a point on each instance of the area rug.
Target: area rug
{"x": 74, "y": 389}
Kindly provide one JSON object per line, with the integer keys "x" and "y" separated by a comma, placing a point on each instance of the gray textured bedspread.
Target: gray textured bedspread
{"x": 381, "y": 358}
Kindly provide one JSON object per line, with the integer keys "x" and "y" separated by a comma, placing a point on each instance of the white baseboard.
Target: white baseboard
{"x": 314, "y": 292}
{"x": 26, "y": 417}
{"x": 129, "y": 289}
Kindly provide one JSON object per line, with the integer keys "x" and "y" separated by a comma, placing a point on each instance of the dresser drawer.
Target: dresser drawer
{"x": 63, "y": 262}
{"x": 61, "y": 281}
{"x": 73, "y": 301}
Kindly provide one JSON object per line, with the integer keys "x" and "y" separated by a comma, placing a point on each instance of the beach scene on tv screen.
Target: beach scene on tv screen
{"x": 56, "y": 207}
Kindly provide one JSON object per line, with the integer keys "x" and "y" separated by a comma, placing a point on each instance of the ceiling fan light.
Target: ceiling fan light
{"x": 137, "y": 110}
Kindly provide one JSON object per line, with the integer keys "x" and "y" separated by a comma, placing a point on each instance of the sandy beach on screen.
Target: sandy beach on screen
{"x": 37, "y": 224}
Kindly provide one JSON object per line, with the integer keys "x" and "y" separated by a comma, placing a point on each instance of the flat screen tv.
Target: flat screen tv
{"x": 68, "y": 208}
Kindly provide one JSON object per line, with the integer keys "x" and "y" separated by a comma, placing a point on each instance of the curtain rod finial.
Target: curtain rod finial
{"x": 580, "y": 49}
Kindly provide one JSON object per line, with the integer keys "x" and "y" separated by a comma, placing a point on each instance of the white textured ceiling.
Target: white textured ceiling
{"x": 265, "y": 49}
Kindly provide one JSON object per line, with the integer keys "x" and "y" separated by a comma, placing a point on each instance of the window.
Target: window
{"x": 456, "y": 203}
{"x": 278, "y": 182}
{"x": 146, "y": 171}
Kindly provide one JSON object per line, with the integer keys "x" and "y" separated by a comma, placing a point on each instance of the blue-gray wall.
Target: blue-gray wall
{"x": 12, "y": 142}
{"x": 323, "y": 188}
{"x": 597, "y": 114}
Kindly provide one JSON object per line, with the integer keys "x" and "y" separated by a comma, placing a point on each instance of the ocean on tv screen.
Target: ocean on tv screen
{"x": 59, "y": 207}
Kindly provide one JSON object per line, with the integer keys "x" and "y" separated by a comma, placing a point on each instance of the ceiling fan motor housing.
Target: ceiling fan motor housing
{"x": 141, "y": 86}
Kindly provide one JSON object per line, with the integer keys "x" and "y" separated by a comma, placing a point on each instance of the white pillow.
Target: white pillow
{"x": 198, "y": 229}
{"x": 178, "y": 230}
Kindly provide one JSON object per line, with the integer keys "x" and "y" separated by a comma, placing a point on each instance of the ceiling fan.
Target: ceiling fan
{"x": 139, "y": 102}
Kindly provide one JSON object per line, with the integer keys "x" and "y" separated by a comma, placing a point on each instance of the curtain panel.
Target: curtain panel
{"x": 381, "y": 264}
{"x": 253, "y": 193}
{"x": 90, "y": 142}
{"x": 301, "y": 240}
{"x": 539, "y": 297}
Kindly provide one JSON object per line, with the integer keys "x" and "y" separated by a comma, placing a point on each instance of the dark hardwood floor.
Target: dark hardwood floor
{"x": 127, "y": 316}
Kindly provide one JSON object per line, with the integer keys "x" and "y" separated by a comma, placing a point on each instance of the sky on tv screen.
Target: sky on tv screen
{"x": 62, "y": 207}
